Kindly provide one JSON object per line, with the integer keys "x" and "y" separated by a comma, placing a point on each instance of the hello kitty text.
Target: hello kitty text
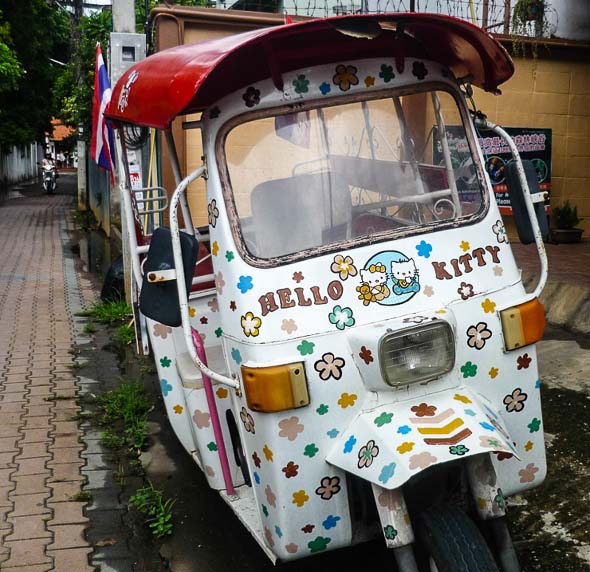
{"x": 464, "y": 264}
{"x": 285, "y": 298}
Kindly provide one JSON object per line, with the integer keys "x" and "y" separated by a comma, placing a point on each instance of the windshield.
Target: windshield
{"x": 366, "y": 169}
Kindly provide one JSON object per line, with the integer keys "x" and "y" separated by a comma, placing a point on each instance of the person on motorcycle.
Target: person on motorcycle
{"x": 49, "y": 174}
{"x": 47, "y": 162}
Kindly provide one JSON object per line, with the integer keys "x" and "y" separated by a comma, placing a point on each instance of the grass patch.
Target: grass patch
{"x": 124, "y": 335}
{"x": 83, "y": 496}
{"x": 108, "y": 312}
{"x": 158, "y": 512}
{"x": 89, "y": 328}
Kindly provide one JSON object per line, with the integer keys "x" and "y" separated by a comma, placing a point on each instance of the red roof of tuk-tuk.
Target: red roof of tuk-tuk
{"x": 189, "y": 78}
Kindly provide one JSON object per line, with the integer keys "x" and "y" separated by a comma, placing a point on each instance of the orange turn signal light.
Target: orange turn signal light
{"x": 275, "y": 388}
{"x": 523, "y": 324}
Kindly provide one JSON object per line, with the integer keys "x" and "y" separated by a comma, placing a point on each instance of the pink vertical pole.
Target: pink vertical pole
{"x": 200, "y": 349}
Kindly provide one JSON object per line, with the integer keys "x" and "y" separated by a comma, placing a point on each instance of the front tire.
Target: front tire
{"x": 453, "y": 541}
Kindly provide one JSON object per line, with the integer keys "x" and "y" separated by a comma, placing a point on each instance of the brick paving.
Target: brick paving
{"x": 42, "y": 528}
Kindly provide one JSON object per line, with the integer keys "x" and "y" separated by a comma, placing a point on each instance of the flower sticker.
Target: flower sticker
{"x": 343, "y": 266}
{"x": 389, "y": 532}
{"x": 178, "y": 409}
{"x": 247, "y": 421}
{"x": 219, "y": 283}
{"x": 428, "y": 291}
{"x": 405, "y": 447}
{"x": 469, "y": 370}
{"x": 268, "y": 454}
{"x": 500, "y": 231}
{"x": 201, "y": 418}
{"x": 366, "y": 355}
{"x": 523, "y": 361}
{"x": 213, "y": 212}
{"x": 347, "y": 400}
{"x": 490, "y": 442}
{"x": 386, "y": 73}
{"x": 369, "y": 81}
{"x": 404, "y": 430}
{"x": 215, "y": 248}
{"x": 301, "y": 84}
{"x": 477, "y": 335}
{"x": 291, "y": 470}
{"x": 319, "y": 544}
{"x": 291, "y": 548}
{"x": 527, "y": 475}
{"x": 534, "y": 425}
{"x": 290, "y": 428}
{"x": 229, "y": 255}
{"x": 488, "y": 306}
{"x": 250, "y": 324}
{"x": 245, "y": 284}
{"x": 331, "y": 521}
{"x": 462, "y": 398}
{"x": 298, "y": 277}
{"x": 419, "y": 70}
{"x": 424, "y": 249}
{"x": 464, "y": 246}
{"x": 515, "y": 401}
{"x": 498, "y": 271}
{"x": 493, "y": 373}
{"x": 165, "y": 361}
{"x": 256, "y": 459}
{"x": 422, "y": 460}
{"x": 459, "y": 450}
{"x": 251, "y": 97}
{"x": 366, "y": 455}
{"x": 386, "y": 473}
{"x": 349, "y": 445}
{"x": 300, "y": 498}
{"x": 305, "y": 348}
{"x": 329, "y": 486}
{"x": 465, "y": 291}
{"x": 236, "y": 355}
{"x": 192, "y": 312}
{"x": 310, "y": 450}
{"x": 166, "y": 387}
{"x": 325, "y": 88}
{"x": 341, "y": 317}
{"x": 162, "y": 331}
{"x": 213, "y": 305}
{"x": 424, "y": 410}
{"x": 345, "y": 77}
{"x": 329, "y": 366}
{"x": 268, "y": 536}
{"x": 288, "y": 325}
{"x": 383, "y": 419}
{"x": 322, "y": 409}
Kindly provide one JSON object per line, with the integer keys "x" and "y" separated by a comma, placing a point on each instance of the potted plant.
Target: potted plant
{"x": 564, "y": 218}
{"x": 529, "y": 16}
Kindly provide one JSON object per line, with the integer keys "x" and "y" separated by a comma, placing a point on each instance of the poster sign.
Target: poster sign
{"x": 532, "y": 144}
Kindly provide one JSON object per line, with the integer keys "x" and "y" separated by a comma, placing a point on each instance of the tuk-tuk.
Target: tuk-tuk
{"x": 347, "y": 349}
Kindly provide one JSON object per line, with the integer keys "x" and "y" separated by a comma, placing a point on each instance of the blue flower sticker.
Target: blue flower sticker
{"x": 256, "y": 477}
{"x": 538, "y": 384}
{"x": 325, "y": 88}
{"x": 245, "y": 284}
{"x": 386, "y": 473}
{"x": 487, "y": 426}
{"x": 469, "y": 412}
{"x": 330, "y": 522}
{"x": 349, "y": 445}
{"x": 333, "y": 433}
{"x": 424, "y": 249}
{"x": 404, "y": 430}
{"x": 166, "y": 387}
{"x": 236, "y": 355}
{"x": 278, "y": 532}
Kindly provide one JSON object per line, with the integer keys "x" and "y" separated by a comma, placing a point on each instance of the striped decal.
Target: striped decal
{"x": 444, "y": 430}
{"x": 451, "y": 440}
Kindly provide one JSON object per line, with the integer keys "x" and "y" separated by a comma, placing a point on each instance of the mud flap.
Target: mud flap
{"x": 389, "y": 444}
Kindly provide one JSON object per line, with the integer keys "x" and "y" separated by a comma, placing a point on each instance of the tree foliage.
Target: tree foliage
{"x": 10, "y": 67}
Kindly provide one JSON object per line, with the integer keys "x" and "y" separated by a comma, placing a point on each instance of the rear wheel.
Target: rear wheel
{"x": 453, "y": 542}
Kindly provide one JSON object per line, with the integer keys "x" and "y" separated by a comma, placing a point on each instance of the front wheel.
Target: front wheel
{"x": 453, "y": 542}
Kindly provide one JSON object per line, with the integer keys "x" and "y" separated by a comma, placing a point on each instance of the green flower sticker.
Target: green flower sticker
{"x": 386, "y": 73}
{"x": 305, "y": 348}
{"x": 301, "y": 84}
{"x": 310, "y": 450}
{"x": 389, "y": 532}
{"x": 459, "y": 450}
{"x": 383, "y": 419}
{"x": 500, "y": 500}
{"x": 218, "y": 332}
{"x": 534, "y": 425}
{"x": 322, "y": 409}
{"x": 264, "y": 510}
{"x": 469, "y": 370}
{"x": 229, "y": 255}
{"x": 319, "y": 544}
{"x": 341, "y": 317}
{"x": 165, "y": 361}
{"x": 212, "y": 446}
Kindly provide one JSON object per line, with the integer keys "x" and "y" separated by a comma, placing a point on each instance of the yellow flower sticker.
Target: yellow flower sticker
{"x": 465, "y": 246}
{"x": 462, "y": 398}
{"x": 178, "y": 409}
{"x": 250, "y": 324}
{"x": 528, "y": 446}
{"x": 347, "y": 400}
{"x": 488, "y": 306}
{"x": 222, "y": 393}
{"x": 300, "y": 498}
{"x": 493, "y": 373}
{"x": 405, "y": 447}
{"x": 267, "y": 453}
{"x": 192, "y": 312}
{"x": 214, "y": 248}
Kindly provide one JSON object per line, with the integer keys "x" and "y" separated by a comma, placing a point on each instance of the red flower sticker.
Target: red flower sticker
{"x": 256, "y": 459}
{"x": 524, "y": 361}
{"x": 366, "y": 355}
{"x": 424, "y": 410}
{"x": 291, "y": 470}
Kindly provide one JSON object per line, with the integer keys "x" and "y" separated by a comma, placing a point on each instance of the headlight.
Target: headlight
{"x": 417, "y": 354}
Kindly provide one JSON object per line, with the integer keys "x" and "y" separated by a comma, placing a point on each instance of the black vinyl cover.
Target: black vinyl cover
{"x": 159, "y": 300}
{"x": 517, "y": 200}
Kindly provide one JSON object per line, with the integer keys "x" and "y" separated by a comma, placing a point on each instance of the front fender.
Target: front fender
{"x": 389, "y": 444}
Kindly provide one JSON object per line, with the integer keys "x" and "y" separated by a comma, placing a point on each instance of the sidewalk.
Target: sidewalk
{"x": 41, "y": 526}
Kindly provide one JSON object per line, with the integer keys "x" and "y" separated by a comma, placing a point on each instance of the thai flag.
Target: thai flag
{"x": 102, "y": 135}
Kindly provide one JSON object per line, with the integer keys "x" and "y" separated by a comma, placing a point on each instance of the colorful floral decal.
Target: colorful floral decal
{"x": 268, "y": 454}
{"x": 256, "y": 460}
{"x": 219, "y": 283}
{"x": 527, "y": 475}
{"x": 162, "y": 331}
{"x": 389, "y": 500}
{"x": 322, "y": 409}
{"x": 291, "y": 548}
{"x": 389, "y": 532}
{"x": 268, "y": 536}
{"x": 470, "y": 412}
{"x": 500, "y": 231}
{"x": 490, "y": 442}
{"x": 464, "y": 246}
{"x": 493, "y": 373}
{"x": 301, "y": 84}
{"x": 278, "y": 532}
{"x": 369, "y": 81}
{"x": 419, "y": 70}
{"x": 319, "y": 544}
{"x": 424, "y": 410}
{"x": 465, "y": 291}
{"x": 405, "y": 447}
{"x": 300, "y": 498}
{"x": 347, "y": 400}
{"x": 178, "y": 409}
{"x": 325, "y": 88}
{"x": 404, "y": 430}
{"x": 256, "y": 478}
{"x": 289, "y": 325}
{"x": 290, "y": 428}
{"x": 341, "y": 317}
{"x": 462, "y": 398}
{"x": 192, "y": 312}
{"x": 305, "y": 348}
{"x": 469, "y": 370}
{"x": 478, "y": 335}
{"x": 204, "y": 320}
{"x": 331, "y": 521}
{"x": 308, "y": 528}
{"x": 459, "y": 450}
{"x": 534, "y": 425}
{"x": 213, "y": 305}
{"x": 428, "y": 291}
{"x": 310, "y": 450}
{"x": 264, "y": 509}
{"x": 329, "y": 486}
{"x": 245, "y": 284}
{"x": 488, "y": 306}
{"x": 329, "y": 366}
{"x": 212, "y": 446}
{"x": 343, "y": 266}
{"x": 291, "y": 470}
{"x": 251, "y": 97}
{"x": 209, "y": 470}
{"x": 485, "y": 425}
{"x": 383, "y": 419}
{"x": 251, "y": 324}
{"x": 166, "y": 387}
{"x": 345, "y": 77}
{"x": 215, "y": 248}
{"x": 498, "y": 271}
{"x": 229, "y": 255}
{"x": 515, "y": 401}
{"x": 422, "y": 460}
{"x": 386, "y": 73}
{"x": 232, "y": 306}
{"x": 333, "y": 433}
{"x": 201, "y": 418}
{"x": 367, "y": 454}
{"x": 503, "y": 456}
{"x": 218, "y": 332}
{"x": 213, "y": 213}
{"x": 298, "y": 277}
{"x": 386, "y": 473}
{"x": 366, "y": 355}
{"x": 424, "y": 249}
{"x": 165, "y": 361}
{"x": 349, "y": 445}
{"x": 236, "y": 355}
{"x": 247, "y": 421}
{"x": 523, "y": 361}
{"x": 214, "y": 112}
{"x": 528, "y": 446}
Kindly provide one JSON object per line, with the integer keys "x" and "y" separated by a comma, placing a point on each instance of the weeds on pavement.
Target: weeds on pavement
{"x": 108, "y": 312}
{"x": 150, "y": 501}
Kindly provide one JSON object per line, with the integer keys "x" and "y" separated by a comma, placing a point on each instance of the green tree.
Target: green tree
{"x": 10, "y": 68}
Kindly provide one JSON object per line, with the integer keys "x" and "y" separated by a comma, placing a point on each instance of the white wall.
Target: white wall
{"x": 19, "y": 163}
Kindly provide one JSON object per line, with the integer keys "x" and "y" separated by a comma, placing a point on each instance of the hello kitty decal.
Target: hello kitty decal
{"x": 388, "y": 278}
